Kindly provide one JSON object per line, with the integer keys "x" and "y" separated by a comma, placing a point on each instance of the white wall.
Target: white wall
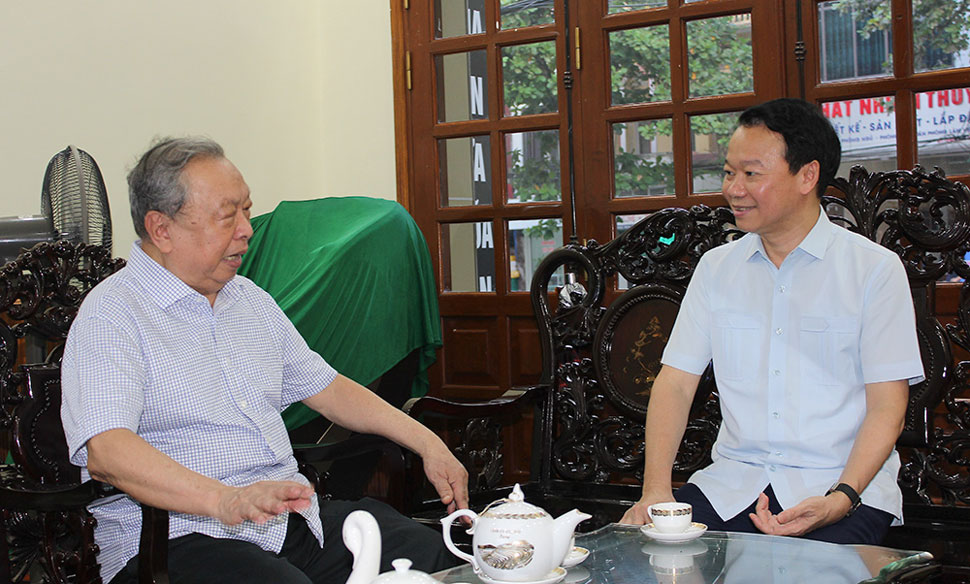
{"x": 297, "y": 91}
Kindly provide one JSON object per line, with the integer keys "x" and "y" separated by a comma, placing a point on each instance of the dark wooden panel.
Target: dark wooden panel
{"x": 519, "y": 458}
{"x": 525, "y": 353}
{"x": 470, "y": 354}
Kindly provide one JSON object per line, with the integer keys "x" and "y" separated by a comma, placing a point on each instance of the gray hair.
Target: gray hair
{"x": 155, "y": 184}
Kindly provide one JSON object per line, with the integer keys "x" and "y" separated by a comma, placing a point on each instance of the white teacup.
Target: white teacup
{"x": 671, "y": 517}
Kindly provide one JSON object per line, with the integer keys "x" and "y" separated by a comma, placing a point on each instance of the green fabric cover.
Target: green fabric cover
{"x": 354, "y": 276}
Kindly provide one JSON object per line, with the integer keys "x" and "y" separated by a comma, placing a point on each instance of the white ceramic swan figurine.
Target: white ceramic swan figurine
{"x": 362, "y": 536}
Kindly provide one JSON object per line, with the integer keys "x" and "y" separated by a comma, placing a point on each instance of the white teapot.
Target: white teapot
{"x": 514, "y": 541}
{"x": 362, "y": 536}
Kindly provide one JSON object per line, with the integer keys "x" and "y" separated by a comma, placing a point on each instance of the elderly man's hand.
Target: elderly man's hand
{"x": 449, "y": 477}
{"x": 260, "y": 502}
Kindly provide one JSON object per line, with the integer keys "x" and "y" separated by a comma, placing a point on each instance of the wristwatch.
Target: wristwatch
{"x": 849, "y": 492}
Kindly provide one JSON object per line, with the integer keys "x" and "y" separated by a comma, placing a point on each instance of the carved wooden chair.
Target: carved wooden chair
{"x": 601, "y": 351}
{"x": 45, "y": 529}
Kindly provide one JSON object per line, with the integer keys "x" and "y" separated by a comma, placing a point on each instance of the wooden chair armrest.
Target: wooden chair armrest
{"x": 392, "y": 463}
{"x": 509, "y": 402}
{"x": 354, "y": 445}
{"x": 18, "y": 494}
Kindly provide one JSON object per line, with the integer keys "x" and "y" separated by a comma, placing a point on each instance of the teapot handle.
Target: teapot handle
{"x": 446, "y": 533}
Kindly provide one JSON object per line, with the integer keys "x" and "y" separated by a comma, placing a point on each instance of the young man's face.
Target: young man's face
{"x": 211, "y": 231}
{"x": 765, "y": 196}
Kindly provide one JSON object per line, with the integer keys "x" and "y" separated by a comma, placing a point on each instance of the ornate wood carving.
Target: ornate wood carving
{"x": 597, "y": 431}
{"x": 480, "y": 450}
{"x": 925, "y": 219}
{"x": 44, "y": 522}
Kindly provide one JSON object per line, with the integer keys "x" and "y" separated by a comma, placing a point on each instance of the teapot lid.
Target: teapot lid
{"x": 514, "y": 507}
{"x": 403, "y": 574}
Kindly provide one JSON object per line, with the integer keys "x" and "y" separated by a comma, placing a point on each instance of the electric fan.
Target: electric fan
{"x": 74, "y": 198}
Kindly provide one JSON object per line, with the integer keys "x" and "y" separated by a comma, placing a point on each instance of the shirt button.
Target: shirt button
{"x": 781, "y": 289}
{"x": 771, "y": 467}
{"x": 775, "y": 415}
{"x": 777, "y": 331}
{"x": 777, "y": 453}
{"x": 777, "y": 372}
{"x": 244, "y": 404}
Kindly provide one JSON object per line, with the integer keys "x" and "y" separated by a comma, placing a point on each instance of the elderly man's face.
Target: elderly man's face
{"x": 211, "y": 231}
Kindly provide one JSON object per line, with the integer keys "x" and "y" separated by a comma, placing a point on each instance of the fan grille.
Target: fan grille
{"x": 75, "y": 199}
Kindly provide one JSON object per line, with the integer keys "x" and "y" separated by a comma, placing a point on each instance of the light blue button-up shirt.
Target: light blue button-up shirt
{"x": 793, "y": 348}
{"x": 203, "y": 384}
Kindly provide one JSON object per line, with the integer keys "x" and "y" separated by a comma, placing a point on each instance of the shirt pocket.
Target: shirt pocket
{"x": 829, "y": 349}
{"x": 736, "y": 347}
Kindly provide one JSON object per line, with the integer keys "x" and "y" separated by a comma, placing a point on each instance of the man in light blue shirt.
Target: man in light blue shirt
{"x": 174, "y": 376}
{"x": 812, "y": 333}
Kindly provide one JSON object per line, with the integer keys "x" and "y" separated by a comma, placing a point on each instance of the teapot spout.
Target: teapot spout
{"x": 563, "y": 528}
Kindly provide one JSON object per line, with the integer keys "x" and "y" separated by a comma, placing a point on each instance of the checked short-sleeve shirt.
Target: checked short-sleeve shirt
{"x": 203, "y": 384}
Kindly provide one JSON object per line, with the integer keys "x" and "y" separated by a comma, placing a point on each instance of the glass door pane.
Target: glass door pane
{"x": 941, "y": 35}
{"x": 458, "y": 17}
{"x": 719, "y": 55}
{"x": 855, "y": 40}
{"x": 867, "y": 131}
{"x": 640, "y": 65}
{"x": 519, "y": 13}
{"x": 643, "y": 158}
{"x": 468, "y": 257}
{"x": 462, "y": 86}
{"x": 943, "y": 130}
{"x": 529, "y": 79}
{"x": 614, "y": 6}
{"x": 533, "y": 167}
{"x": 465, "y": 171}
{"x": 710, "y": 135}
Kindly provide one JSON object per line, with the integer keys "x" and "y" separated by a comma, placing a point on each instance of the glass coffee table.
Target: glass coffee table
{"x": 621, "y": 554}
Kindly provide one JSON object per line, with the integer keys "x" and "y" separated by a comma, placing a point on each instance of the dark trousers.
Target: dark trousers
{"x": 201, "y": 559}
{"x": 867, "y": 525}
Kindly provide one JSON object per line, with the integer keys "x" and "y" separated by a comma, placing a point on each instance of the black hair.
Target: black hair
{"x": 807, "y": 133}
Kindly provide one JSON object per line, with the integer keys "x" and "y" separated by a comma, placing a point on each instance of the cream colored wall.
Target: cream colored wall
{"x": 358, "y": 126}
{"x": 297, "y": 91}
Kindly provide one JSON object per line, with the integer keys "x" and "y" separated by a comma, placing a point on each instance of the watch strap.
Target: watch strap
{"x": 854, "y": 499}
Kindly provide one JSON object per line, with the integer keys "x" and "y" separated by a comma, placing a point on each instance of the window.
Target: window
{"x": 893, "y": 112}
{"x": 642, "y": 96}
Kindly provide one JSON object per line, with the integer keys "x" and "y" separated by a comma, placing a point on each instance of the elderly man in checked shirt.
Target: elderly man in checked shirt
{"x": 174, "y": 376}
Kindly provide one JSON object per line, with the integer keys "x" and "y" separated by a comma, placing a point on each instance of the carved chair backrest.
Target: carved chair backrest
{"x": 601, "y": 349}
{"x": 40, "y": 292}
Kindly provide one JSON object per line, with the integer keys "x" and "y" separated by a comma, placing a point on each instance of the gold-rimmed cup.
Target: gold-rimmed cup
{"x": 671, "y": 517}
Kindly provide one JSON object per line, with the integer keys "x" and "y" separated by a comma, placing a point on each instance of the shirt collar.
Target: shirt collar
{"x": 163, "y": 286}
{"x": 814, "y": 244}
{"x": 818, "y": 239}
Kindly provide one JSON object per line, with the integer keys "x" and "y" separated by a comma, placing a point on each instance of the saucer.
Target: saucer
{"x": 693, "y": 532}
{"x": 575, "y": 557}
{"x": 577, "y": 575}
{"x": 550, "y": 578}
{"x": 670, "y": 549}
